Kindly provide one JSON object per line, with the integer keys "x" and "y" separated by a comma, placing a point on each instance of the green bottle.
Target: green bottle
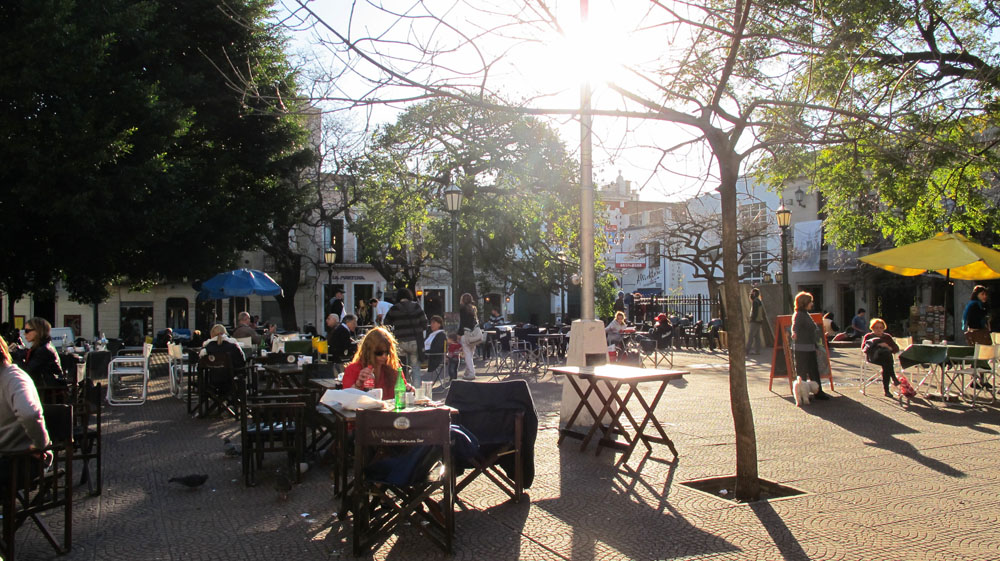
{"x": 400, "y": 390}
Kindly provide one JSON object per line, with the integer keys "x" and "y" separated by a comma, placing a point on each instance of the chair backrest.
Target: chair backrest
{"x": 995, "y": 336}
{"x": 147, "y": 348}
{"x": 97, "y": 364}
{"x": 59, "y": 423}
{"x": 903, "y": 342}
{"x": 985, "y": 352}
{"x": 216, "y": 360}
{"x": 245, "y": 342}
{"x": 420, "y": 427}
{"x": 175, "y": 351}
{"x": 298, "y": 347}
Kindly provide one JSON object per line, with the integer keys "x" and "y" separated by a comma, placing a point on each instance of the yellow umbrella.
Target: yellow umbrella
{"x": 952, "y": 255}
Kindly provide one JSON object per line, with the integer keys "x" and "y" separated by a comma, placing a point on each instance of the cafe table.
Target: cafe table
{"x": 943, "y": 359}
{"x": 283, "y": 375}
{"x": 588, "y": 380}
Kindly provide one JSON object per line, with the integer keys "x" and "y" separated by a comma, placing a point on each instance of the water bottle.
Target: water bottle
{"x": 370, "y": 382}
{"x": 400, "y": 390}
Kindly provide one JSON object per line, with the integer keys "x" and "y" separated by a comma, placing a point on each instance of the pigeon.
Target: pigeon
{"x": 282, "y": 483}
{"x": 193, "y": 481}
{"x": 231, "y": 449}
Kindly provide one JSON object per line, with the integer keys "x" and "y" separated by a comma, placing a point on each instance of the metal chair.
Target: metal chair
{"x": 87, "y": 433}
{"x": 867, "y": 378}
{"x": 122, "y": 371}
{"x": 981, "y": 368}
{"x": 176, "y": 366}
{"x": 272, "y": 423}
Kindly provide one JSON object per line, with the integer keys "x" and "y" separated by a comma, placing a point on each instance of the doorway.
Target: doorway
{"x": 434, "y": 299}
{"x": 847, "y": 306}
{"x": 136, "y": 322}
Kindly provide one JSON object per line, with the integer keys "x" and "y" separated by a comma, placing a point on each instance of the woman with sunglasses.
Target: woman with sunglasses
{"x": 40, "y": 361}
{"x": 377, "y": 360}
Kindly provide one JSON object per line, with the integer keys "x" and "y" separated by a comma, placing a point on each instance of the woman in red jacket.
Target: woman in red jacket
{"x": 375, "y": 359}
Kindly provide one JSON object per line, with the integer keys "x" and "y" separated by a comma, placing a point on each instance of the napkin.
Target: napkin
{"x": 350, "y": 399}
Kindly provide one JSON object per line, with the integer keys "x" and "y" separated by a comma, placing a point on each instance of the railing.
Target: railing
{"x": 700, "y": 307}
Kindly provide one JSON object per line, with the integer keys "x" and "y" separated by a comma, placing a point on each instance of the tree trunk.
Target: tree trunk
{"x": 288, "y": 279}
{"x": 747, "y": 482}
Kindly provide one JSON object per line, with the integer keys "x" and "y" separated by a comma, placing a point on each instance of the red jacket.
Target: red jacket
{"x": 386, "y": 379}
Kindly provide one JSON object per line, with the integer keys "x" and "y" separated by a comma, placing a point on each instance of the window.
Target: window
{"x": 333, "y": 234}
{"x": 653, "y": 252}
{"x": 753, "y": 223}
{"x": 177, "y": 313}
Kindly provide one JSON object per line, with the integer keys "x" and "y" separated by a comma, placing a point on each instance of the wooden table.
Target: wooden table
{"x": 283, "y": 375}
{"x": 614, "y": 377}
{"x": 325, "y": 383}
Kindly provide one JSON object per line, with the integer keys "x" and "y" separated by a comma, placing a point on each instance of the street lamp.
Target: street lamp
{"x": 329, "y": 257}
{"x": 784, "y": 217}
{"x": 562, "y": 285}
{"x": 453, "y": 202}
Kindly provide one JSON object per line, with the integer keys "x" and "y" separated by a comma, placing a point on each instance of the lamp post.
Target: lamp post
{"x": 784, "y": 217}
{"x": 453, "y": 202}
{"x": 329, "y": 257}
{"x": 562, "y": 285}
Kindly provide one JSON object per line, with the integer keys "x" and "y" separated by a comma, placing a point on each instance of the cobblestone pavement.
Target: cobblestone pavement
{"x": 882, "y": 481}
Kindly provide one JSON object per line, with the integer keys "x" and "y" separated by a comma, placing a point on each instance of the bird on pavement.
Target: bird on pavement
{"x": 193, "y": 481}
{"x": 282, "y": 483}
{"x": 230, "y": 448}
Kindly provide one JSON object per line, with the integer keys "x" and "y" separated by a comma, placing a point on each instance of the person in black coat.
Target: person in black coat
{"x": 341, "y": 343}
{"x": 40, "y": 361}
{"x": 222, "y": 343}
{"x": 662, "y": 332}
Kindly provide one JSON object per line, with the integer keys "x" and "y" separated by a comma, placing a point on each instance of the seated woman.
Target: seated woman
{"x": 615, "y": 328}
{"x": 377, "y": 360}
{"x": 222, "y": 343}
{"x": 434, "y": 344}
{"x": 22, "y": 425}
{"x": 879, "y": 348}
{"x": 662, "y": 332}
{"x": 41, "y": 361}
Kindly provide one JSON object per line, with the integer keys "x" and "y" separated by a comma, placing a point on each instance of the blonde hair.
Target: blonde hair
{"x": 620, "y": 314}
{"x": 802, "y": 300}
{"x": 218, "y": 331}
{"x": 5, "y": 353}
{"x": 376, "y": 338}
{"x": 871, "y": 324}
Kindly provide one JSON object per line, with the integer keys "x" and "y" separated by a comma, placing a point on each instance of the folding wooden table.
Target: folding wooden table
{"x": 613, "y": 406}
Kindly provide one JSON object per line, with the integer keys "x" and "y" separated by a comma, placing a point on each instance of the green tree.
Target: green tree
{"x": 137, "y": 158}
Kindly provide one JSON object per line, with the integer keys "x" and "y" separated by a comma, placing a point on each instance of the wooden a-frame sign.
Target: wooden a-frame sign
{"x": 781, "y": 355}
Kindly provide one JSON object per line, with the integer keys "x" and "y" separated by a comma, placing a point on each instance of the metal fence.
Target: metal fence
{"x": 700, "y": 307}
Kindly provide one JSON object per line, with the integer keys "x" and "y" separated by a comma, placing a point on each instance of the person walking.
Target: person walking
{"x": 754, "y": 335}
{"x": 805, "y": 333}
{"x": 408, "y": 322}
{"x": 976, "y": 319}
{"x": 468, "y": 319}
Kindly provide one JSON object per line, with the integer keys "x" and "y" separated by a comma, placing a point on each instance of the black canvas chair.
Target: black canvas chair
{"x": 400, "y": 461}
{"x": 272, "y": 424}
{"x": 501, "y": 415}
{"x": 29, "y": 489}
{"x": 216, "y": 384}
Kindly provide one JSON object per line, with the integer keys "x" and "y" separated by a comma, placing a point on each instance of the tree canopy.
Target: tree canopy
{"x": 131, "y": 154}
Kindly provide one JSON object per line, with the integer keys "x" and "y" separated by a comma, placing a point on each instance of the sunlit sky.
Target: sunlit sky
{"x": 539, "y": 65}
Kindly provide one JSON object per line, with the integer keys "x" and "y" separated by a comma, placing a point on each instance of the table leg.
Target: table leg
{"x": 605, "y": 409}
{"x": 616, "y": 419}
{"x": 579, "y": 407}
{"x": 651, "y": 417}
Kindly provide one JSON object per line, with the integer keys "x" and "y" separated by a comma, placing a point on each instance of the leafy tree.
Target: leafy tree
{"x": 137, "y": 158}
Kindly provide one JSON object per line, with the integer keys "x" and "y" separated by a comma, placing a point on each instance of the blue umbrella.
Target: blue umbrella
{"x": 241, "y": 282}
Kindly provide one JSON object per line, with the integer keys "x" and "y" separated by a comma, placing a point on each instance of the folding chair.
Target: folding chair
{"x": 122, "y": 371}
{"x": 97, "y": 364}
{"x": 175, "y": 369}
{"x": 29, "y": 489}
{"x": 400, "y": 461}
{"x": 981, "y": 368}
{"x": 502, "y": 417}
{"x": 272, "y": 424}
{"x": 216, "y": 379}
{"x": 87, "y": 433}
{"x": 872, "y": 373}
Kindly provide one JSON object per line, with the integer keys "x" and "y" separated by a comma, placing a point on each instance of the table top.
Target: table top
{"x": 325, "y": 383}
{"x": 351, "y": 414}
{"x": 620, "y": 373}
{"x": 283, "y": 368}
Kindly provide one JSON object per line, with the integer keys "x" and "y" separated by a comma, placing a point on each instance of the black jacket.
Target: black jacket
{"x": 342, "y": 346}
{"x": 41, "y": 362}
{"x": 467, "y": 319}
{"x": 488, "y": 411}
{"x": 408, "y": 321}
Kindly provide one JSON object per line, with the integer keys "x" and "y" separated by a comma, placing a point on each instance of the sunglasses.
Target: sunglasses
{"x": 381, "y": 352}
{"x": 28, "y": 330}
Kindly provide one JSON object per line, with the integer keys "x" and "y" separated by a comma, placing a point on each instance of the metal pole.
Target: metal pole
{"x": 587, "y": 194}
{"x": 784, "y": 272}
{"x": 454, "y": 263}
{"x": 562, "y": 288}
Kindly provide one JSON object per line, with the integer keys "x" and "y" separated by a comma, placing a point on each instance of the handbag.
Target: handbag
{"x": 474, "y": 336}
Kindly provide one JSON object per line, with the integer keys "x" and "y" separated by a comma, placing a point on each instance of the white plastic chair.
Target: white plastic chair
{"x": 122, "y": 389}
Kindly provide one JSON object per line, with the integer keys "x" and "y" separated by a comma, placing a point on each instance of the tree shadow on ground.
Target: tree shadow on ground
{"x": 782, "y": 537}
{"x": 608, "y": 506}
{"x": 879, "y": 429}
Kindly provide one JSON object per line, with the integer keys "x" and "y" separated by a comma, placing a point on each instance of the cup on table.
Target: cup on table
{"x": 375, "y": 393}
{"x": 411, "y": 399}
{"x": 427, "y": 389}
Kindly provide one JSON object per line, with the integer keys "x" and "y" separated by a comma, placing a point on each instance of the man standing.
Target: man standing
{"x": 408, "y": 322}
{"x": 244, "y": 330}
{"x": 379, "y": 309}
{"x": 341, "y": 342}
{"x": 337, "y": 303}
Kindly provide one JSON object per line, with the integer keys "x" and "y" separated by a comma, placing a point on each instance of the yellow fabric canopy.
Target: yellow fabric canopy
{"x": 949, "y": 254}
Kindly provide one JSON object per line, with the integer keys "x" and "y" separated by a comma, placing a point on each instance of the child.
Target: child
{"x": 454, "y": 351}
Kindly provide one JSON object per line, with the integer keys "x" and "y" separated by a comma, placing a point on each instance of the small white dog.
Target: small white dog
{"x": 803, "y": 389}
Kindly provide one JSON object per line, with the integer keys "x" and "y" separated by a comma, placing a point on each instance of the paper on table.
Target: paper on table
{"x": 351, "y": 399}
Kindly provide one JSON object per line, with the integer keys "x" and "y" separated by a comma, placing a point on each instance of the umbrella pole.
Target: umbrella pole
{"x": 947, "y": 282}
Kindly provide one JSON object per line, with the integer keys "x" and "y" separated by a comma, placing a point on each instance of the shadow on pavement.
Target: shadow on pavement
{"x": 878, "y": 428}
{"x": 783, "y": 538}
